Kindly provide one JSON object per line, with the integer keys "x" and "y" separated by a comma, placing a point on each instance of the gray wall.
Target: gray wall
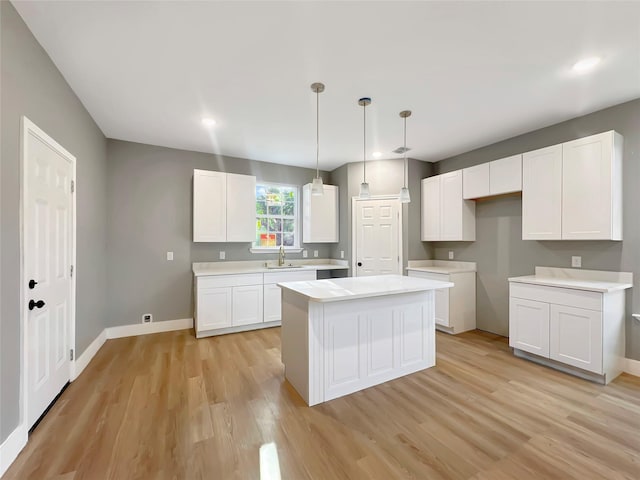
{"x": 385, "y": 177}
{"x": 149, "y": 214}
{"x": 32, "y": 86}
{"x": 499, "y": 249}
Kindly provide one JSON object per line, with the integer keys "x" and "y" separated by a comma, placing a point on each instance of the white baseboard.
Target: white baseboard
{"x": 147, "y": 328}
{"x": 11, "y": 447}
{"x": 632, "y": 367}
{"x": 83, "y": 360}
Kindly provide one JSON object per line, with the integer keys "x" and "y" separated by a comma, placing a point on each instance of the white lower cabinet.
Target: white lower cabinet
{"x": 233, "y": 303}
{"x": 213, "y": 308}
{"x": 455, "y": 308}
{"x": 247, "y": 305}
{"x": 529, "y": 326}
{"x": 570, "y": 327}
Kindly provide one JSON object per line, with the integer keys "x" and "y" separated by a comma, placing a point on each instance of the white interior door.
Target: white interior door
{"x": 377, "y": 237}
{"x": 48, "y": 254}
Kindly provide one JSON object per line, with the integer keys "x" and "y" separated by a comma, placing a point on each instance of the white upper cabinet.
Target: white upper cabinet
{"x": 320, "y": 215}
{"x": 475, "y": 182}
{"x": 542, "y": 194}
{"x": 209, "y": 206}
{"x": 493, "y": 178}
{"x": 592, "y": 188}
{"x": 506, "y": 175}
{"x": 573, "y": 191}
{"x": 224, "y": 207}
{"x": 446, "y": 215}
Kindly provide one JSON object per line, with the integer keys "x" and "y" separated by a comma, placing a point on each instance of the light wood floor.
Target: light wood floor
{"x": 168, "y": 406}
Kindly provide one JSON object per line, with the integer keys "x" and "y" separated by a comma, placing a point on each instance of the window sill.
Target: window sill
{"x": 276, "y": 250}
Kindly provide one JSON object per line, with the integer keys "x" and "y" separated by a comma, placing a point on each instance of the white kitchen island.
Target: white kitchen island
{"x": 347, "y": 334}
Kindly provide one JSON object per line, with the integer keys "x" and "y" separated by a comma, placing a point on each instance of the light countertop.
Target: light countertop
{"x": 441, "y": 266}
{"x": 236, "y": 268}
{"x": 352, "y": 288}
{"x": 577, "y": 279}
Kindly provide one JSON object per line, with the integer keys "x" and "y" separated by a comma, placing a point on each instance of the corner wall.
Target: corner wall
{"x": 499, "y": 249}
{"x": 32, "y": 86}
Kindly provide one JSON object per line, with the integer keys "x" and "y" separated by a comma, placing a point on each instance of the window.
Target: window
{"x": 276, "y": 217}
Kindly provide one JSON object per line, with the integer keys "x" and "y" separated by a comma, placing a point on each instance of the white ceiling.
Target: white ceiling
{"x": 472, "y": 73}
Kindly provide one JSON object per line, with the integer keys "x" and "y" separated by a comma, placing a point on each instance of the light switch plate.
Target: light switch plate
{"x": 223, "y": 255}
{"x": 169, "y": 256}
{"x": 576, "y": 262}
{"x": 315, "y": 253}
{"x": 305, "y": 254}
{"x": 450, "y": 254}
{"x": 341, "y": 253}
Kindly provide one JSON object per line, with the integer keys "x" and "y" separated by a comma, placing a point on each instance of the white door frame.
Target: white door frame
{"x": 28, "y": 127}
{"x": 354, "y": 209}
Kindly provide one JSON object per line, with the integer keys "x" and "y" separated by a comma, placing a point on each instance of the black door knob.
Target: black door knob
{"x": 32, "y": 284}
{"x": 33, "y": 304}
{"x": 359, "y": 264}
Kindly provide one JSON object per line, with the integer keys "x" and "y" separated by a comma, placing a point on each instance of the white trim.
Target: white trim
{"x": 27, "y": 127}
{"x": 354, "y": 250}
{"x": 78, "y": 366}
{"x": 632, "y": 367}
{"x": 11, "y": 447}
{"x": 275, "y": 249}
{"x": 147, "y": 328}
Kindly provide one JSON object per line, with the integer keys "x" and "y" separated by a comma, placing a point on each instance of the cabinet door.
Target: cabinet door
{"x": 213, "y": 309}
{"x": 451, "y": 207}
{"x": 542, "y": 194}
{"x": 431, "y": 209}
{"x": 475, "y": 182}
{"x": 241, "y": 208}
{"x": 576, "y": 337}
{"x": 209, "y": 206}
{"x": 320, "y": 215}
{"x": 272, "y": 303}
{"x": 586, "y": 188}
{"x": 529, "y": 326}
{"x": 506, "y": 175}
{"x": 247, "y": 305}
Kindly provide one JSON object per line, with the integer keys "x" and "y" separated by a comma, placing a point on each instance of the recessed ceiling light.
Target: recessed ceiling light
{"x": 586, "y": 64}
{"x": 208, "y": 122}
{"x": 377, "y": 154}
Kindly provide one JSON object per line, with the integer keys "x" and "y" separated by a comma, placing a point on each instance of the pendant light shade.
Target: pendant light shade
{"x": 316, "y": 186}
{"x": 364, "y": 186}
{"x": 405, "y": 197}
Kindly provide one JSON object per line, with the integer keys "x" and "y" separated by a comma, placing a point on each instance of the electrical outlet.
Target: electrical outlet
{"x": 315, "y": 253}
{"x": 576, "y": 262}
{"x": 341, "y": 253}
{"x": 169, "y": 256}
{"x": 305, "y": 254}
{"x": 147, "y": 318}
{"x": 223, "y": 255}
{"x": 450, "y": 254}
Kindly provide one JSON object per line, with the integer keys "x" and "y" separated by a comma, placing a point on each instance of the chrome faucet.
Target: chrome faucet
{"x": 281, "y": 256}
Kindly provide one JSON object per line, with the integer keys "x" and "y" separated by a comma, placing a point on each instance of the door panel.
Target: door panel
{"x": 576, "y": 337}
{"x": 48, "y": 242}
{"x": 272, "y": 303}
{"x": 377, "y": 237}
{"x": 214, "y": 308}
{"x": 529, "y": 326}
{"x": 431, "y": 209}
{"x": 247, "y": 305}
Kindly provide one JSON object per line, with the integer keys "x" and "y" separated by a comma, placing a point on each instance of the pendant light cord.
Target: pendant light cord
{"x": 364, "y": 143}
{"x": 405, "y": 152}
{"x": 317, "y": 133}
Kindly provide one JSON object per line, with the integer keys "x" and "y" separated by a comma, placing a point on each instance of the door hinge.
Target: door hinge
{"x": 71, "y": 271}
{"x": 73, "y": 186}
{"x": 71, "y": 354}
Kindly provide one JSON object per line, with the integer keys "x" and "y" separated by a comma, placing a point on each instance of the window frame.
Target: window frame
{"x": 297, "y": 232}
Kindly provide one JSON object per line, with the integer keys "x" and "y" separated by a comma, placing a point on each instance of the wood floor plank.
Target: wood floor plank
{"x": 168, "y": 406}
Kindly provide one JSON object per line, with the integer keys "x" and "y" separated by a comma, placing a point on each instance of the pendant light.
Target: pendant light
{"x": 364, "y": 186}
{"x": 316, "y": 186}
{"x": 404, "y": 191}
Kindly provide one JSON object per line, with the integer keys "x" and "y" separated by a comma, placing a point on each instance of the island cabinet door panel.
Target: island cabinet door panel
{"x": 247, "y": 305}
{"x": 412, "y": 325}
{"x": 379, "y": 327}
{"x": 344, "y": 356}
{"x": 529, "y": 326}
{"x": 213, "y": 309}
{"x": 576, "y": 337}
